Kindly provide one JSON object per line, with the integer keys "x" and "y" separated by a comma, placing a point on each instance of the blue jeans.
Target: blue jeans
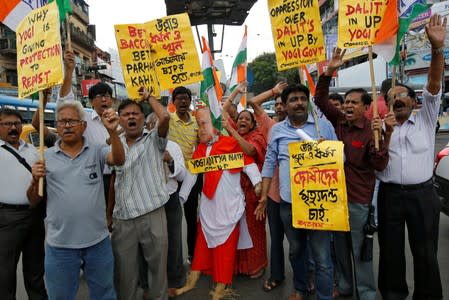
{"x": 321, "y": 252}
{"x": 62, "y": 271}
{"x": 277, "y": 240}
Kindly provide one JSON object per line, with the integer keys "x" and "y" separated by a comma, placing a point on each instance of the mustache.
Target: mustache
{"x": 13, "y": 132}
{"x": 67, "y": 131}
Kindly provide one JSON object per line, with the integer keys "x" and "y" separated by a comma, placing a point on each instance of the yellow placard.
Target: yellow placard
{"x": 318, "y": 186}
{"x": 216, "y": 162}
{"x": 39, "y": 51}
{"x": 135, "y": 57}
{"x": 297, "y": 33}
{"x": 175, "y": 56}
{"x": 358, "y": 22}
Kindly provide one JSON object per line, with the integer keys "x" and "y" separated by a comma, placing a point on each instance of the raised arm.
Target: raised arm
{"x": 436, "y": 32}
{"x": 69, "y": 66}
{"x": 110, "y": 120}
{"x": 161, "y": 113}
{"x": 240, "y": 89}
{"x": 257, "y": 100}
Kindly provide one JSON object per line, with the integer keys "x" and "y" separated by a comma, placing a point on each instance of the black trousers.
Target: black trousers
{"x": 418, "y": 207}
{"x": 191, "y": 214}
{"x": 22, "y": 232}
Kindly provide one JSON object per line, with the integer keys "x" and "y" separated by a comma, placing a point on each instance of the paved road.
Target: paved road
{"x": 251, "y": 288}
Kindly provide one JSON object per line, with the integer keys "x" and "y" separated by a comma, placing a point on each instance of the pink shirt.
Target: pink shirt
{"x": 382, "y": 108}
{"x": 264, "y": 122}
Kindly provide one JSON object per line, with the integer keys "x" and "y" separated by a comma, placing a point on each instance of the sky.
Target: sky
{"x": 106, "y": 13}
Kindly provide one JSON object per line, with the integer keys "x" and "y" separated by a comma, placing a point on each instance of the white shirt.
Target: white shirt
{"x": 180, "y": 168}
{"x": 14, "y": 177}
{"x": 412, "y": 145}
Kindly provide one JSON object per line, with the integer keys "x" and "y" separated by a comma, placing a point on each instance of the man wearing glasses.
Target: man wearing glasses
{"x": 21, "y": 226}
{"x": 76, "y": 225}
{"x": 406, "y": 192}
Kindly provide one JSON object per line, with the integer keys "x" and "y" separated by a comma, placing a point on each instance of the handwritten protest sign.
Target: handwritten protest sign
{"x": 318, "y": 186}
{"x": 175, "y": 56}
{"x": 39, "y": 51}
{"x": 297, "y": 33}
{"x": 358, "y": 22}
{"x": 135, "y": 57}
{"x": 216, "y": 162}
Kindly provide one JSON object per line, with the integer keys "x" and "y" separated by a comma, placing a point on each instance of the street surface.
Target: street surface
{"x": 252, "y": 288}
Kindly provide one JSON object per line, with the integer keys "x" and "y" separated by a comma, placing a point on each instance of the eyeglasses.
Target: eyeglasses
{"x": 400, "y": 95}
{"x": 10, "y": 124}
{"x": 71, "y": 123}
{"x": 99, "y": 96}
{"x": 130, "y": 114}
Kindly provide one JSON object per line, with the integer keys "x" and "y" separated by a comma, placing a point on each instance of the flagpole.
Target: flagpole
{"x": 41, "y": 138}
{"x": 315, "y": 117}
{"x": 374, "y": 96}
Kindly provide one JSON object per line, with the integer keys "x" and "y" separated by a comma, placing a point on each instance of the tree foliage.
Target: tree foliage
{"x": 266, "y": 74}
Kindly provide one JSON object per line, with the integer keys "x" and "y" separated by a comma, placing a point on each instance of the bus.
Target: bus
{"x": 27, "y": 107}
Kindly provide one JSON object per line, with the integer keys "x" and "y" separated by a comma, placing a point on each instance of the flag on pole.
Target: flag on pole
{"x": 210, "y": 90}
{"x": 309, "y": 81}
{"x": 396, "y": 21}
{"x": 65, "y": 7}
{"x": 238, "y": 73}
{"x": 12, "y": 12}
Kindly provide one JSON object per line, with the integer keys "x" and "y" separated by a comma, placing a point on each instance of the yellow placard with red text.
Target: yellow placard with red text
{"x": 135, "y": 57}
{"x": 318, "y": 186}
{"x": 216, "y": 162}
{"x": 39, "y": 51}
{"x": 359, "y": 22}
{"x": 173, "y": 51}
{"x": 297, "y": 33}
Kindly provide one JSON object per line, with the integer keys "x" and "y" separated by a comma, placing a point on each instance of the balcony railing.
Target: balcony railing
{"x": 81, "y": 38}
{"x": 8, "y": 46}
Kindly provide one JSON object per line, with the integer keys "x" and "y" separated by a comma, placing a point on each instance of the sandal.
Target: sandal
{"x": 270, "y": 285}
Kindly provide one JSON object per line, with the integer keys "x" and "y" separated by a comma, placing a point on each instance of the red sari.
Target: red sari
{"x": 251, "y": 261}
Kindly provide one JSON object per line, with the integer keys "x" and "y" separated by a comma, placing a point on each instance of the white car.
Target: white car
{"x": 441, "y": 178}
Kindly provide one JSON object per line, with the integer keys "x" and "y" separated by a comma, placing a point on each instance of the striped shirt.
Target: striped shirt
{"x": 140, "y": 185}
{"x": 184, "y": 134}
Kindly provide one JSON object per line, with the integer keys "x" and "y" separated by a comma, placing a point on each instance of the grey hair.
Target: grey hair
{"x": 72, "y": 104}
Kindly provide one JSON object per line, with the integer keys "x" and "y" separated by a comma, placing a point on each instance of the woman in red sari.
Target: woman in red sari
{"x": 252, "y": 261}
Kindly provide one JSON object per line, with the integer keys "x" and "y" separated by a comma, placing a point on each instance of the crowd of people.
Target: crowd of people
{"x": 116, "y": 185}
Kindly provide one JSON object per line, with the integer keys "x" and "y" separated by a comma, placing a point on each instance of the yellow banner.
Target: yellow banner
{"x": 318, "y": 186}
{"x": 39, "y": 52}
{"x": 297, "y": 33}
{"x": 135, "y": 57}
{"x": 175, "y": 56}
{"x": 216, "y": 162}
{"x": 358, "y": 22}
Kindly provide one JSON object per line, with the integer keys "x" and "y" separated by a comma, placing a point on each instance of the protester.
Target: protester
{"x": 183, "y": 131}
{"x": 175, "y": 171}
{"x": 265, "y": 123}
{"x": 100, "y": 99}
{"x": 337, "y": 100}
{"x": 406, "y": 192}
{"x": 22, "y": 231}
{"x": 296, "y": 99}
{"x": 139, "y": 219}
{"x": 361, "y": 160}
{"x": 382, "y": 108}
{"x": 76, "y": 223}
{"x": 221, "y": 227}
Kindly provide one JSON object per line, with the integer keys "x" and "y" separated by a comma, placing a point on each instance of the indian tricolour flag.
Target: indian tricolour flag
{"x": 12, "y": 12}
{"x": 210, "y": 91}
{"x": 238, "y": 73}
{"x": 397, "y": 18}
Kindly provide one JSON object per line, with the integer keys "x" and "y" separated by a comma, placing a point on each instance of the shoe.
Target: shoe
{"x": 295, "y": 296}
{"x": 270, "y": 284}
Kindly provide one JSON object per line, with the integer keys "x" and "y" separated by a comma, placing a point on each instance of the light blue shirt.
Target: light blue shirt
{"x": 412, "y": 145}
{"x": 76, "y": 206}
{"x": 282, "y": 134}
